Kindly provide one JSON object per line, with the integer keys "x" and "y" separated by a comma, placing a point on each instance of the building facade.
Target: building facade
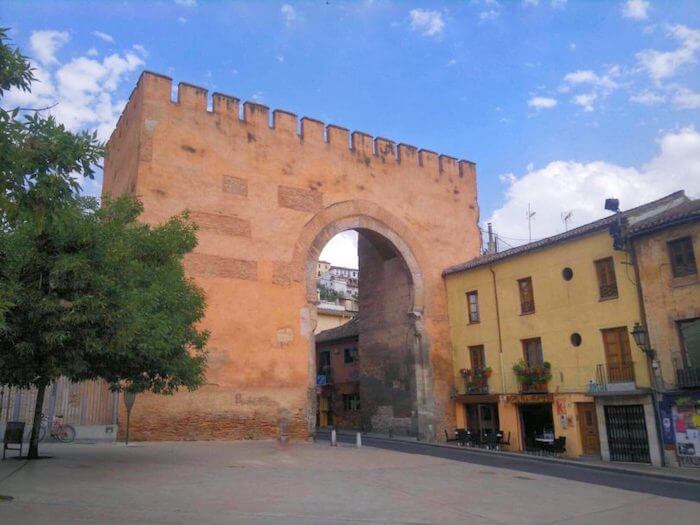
{"x": 666, "y": 249}
{"x": 542, "y": 346}
{"x": 338, "y": 378}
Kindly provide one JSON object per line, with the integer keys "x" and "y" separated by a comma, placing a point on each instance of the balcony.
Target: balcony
{"x": 618, "y": 377}
{"x": 476, "y": 381}
{"x": 476, "y": 385}
{"x": 686, "y": 376}
{"x": 534, "y": 388}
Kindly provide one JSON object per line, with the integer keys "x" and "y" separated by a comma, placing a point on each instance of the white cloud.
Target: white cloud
{"x": 647, "y": 98}
{"x": 290, "y": 15}
{"x": 663, "y": 64}
{"x": 140, "y": 49}
{"x": 541, "y": 103}
{"x": 558, "y": 4}
{"x": 83, "y": 89}
{"x": 563, "y": 186}
{"x": 280, "y": 58}
{"x": 427, "y": 23}
{"x": 186, "y": 3}
{"x": 686, "y": 99}
{"x": 490, "y": 14}
{"x": 635, "y": 9}
{"x": 103, "y": 36}
{"x": 182, "y": 19}
{"x": 92, "y": 52}
{"x": 533, "y": 3}
{"x": 45, "y": 44}
{"x": 597, "y": 86}
{"x": 586, "y": 101}
{"x": 341, "y": 250}
{"x": 589, "y": 77}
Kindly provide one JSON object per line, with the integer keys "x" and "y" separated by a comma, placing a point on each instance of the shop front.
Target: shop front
{"x": 680, "y": 420}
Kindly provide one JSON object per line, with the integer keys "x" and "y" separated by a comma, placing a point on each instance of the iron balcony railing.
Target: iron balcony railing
{"x": 476, "y": 385}
{"x": 533, "y": 388}
{"x": 686, "y": 376}
{"x": 607, "y": 373}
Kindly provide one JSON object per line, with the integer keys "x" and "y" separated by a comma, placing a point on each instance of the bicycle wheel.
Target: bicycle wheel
{"x": 42, "y": 433}
{"x": 66, "y": 434}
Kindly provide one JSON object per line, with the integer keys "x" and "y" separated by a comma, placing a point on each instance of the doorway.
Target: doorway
{"x": 482, "y": 419}
{"x": 537, "y": 421}
{"x": 627, "y": 433}
{"x": 588, "y": 424}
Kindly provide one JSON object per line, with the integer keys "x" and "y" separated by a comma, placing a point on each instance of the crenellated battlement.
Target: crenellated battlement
{"x": 307, "y": 130}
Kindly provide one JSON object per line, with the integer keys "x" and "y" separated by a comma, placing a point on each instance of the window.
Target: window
{"x": 349, "y": 355}
{"x": 527, "y": 297}
{"x": 351, "y": 402}
{"x": 532, "y": 351}
{"x": 576, "y": 339}
{"x": 567, "y": 273}
{"x": 682, "y": 257}
{"x": 473, "y": 305}
{"x": 324, "y": 361}
{"x": 607, "y": 284}
{"x": 476, "y": 356}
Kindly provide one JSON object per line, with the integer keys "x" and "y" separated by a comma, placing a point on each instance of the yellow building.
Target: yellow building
{"x": 561, "y": 309}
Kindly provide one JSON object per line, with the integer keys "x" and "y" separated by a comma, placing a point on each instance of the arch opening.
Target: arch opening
{"x": 370, "y": 373}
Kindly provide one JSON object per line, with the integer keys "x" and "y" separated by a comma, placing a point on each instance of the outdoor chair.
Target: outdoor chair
{"x": 559, "y": 446}
{"x": 464, "y": 437}
{"x": 448, "y": 439}
{"x": 14, "y": 434}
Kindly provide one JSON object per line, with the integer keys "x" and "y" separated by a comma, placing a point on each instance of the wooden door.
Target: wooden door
{"x": 618, "y": 356}
{"x": 588, "y": 424}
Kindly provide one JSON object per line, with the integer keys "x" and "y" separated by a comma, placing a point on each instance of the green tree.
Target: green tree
{"x": 86, "y": 291}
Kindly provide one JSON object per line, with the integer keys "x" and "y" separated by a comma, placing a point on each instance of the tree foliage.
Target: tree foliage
{"x": 86, "y": 291}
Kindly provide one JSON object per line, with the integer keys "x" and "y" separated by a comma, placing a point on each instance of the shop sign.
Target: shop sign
{"x": 529, "y": 398}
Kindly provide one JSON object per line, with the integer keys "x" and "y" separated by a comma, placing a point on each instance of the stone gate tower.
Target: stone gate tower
{"x": 268, "y": 194}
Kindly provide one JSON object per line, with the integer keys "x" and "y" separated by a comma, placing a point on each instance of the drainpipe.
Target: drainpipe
{"x": 498, "y": 325}
{"x": 649, "y": 355}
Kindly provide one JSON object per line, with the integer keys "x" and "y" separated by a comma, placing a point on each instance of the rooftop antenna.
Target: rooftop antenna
{"x": 566, "y": 217}
{"x": 530, "y": 215}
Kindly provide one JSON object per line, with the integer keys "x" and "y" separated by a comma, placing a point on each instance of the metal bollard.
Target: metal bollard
{"x": 333, "y": 439}
{"x": 358, "y": 440}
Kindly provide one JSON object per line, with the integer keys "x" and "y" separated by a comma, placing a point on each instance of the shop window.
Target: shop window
{"x": 349, "y": 355}
{"x": 682, "y": 257}
{"x": 527, "y": 296}
{"x": 607, "y": 283}
{"x": 473, "y": 306}
{"x": 351, "y": 402}
{"x": 532, "y": 351}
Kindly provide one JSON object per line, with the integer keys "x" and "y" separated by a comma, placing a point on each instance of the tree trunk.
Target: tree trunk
{"x": 36, "y": 425}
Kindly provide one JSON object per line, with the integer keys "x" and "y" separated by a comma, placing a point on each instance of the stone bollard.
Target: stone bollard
{"x": 358, "y": 440}
{"x": 334, "y": 443}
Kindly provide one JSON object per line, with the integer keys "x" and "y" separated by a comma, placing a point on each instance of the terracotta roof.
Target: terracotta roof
{"x": 632, "y": 216}
{"x": 685, "y": 212}
{"x": 344, "y": 331}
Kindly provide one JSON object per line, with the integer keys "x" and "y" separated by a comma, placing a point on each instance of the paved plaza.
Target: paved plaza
{"x": 261, "y": 482}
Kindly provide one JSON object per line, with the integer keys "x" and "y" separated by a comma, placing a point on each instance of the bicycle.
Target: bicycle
{"x": 58, "y": 431}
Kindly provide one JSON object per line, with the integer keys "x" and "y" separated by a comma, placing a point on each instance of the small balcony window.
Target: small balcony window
{"x": 607, "y": 283}
{"x": 527, "y": 296}
{"x": 682, "y": 257}
{"x": 473, "y": 306}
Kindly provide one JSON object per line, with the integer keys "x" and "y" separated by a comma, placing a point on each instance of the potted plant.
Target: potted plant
{"x": 532, "y": 375}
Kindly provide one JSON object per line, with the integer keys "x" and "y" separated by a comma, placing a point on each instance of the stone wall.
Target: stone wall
{"x": 268, "y": 191}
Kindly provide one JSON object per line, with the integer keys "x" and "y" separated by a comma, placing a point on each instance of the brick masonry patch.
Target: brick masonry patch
{"x": 215, "y": 266}
{"x": 299, "y": 199}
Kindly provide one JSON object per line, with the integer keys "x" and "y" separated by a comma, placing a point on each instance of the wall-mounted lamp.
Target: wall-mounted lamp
{"x": 641, "y": 338}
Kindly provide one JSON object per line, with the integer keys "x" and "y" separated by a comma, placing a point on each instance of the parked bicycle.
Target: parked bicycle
{"x": 58, "y": 431}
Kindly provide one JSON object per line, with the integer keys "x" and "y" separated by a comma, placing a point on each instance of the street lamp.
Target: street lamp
{"x": 641, "y": 338}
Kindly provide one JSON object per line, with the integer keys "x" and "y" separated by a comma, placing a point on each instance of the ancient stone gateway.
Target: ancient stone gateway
{"x": 268, "y": 195}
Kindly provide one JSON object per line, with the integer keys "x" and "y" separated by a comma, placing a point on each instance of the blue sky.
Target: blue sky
{"x": 560, "y": 103}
